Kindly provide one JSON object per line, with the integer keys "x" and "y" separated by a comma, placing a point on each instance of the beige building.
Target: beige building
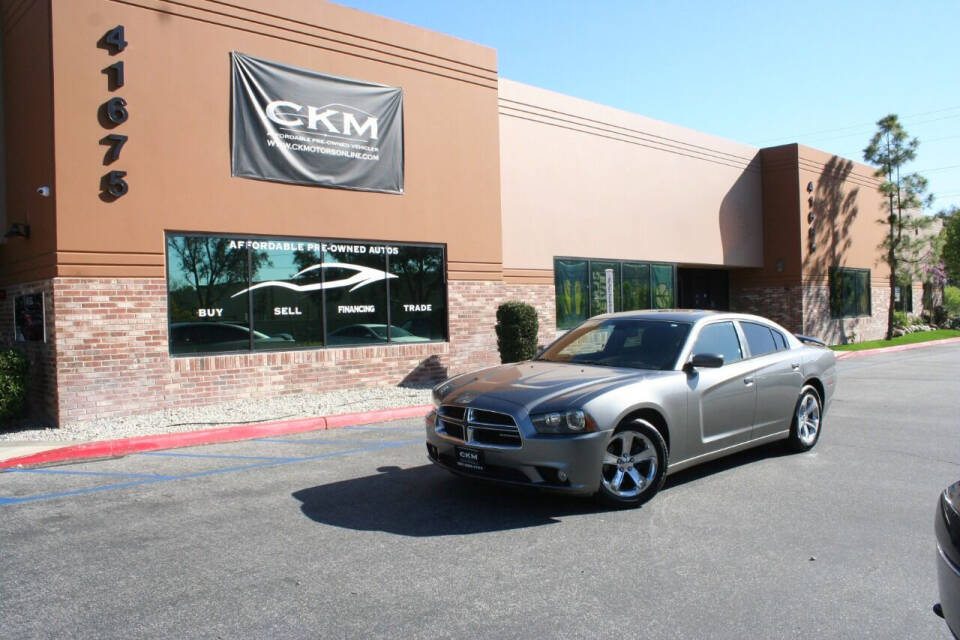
{"x": 146, "y": 273}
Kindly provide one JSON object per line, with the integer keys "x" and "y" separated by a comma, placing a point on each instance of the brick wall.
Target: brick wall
{"x": 42, "y": 388}
{"x": 819, "y": 324}
{"x": 782, "y": 304}
{"x": 112, "y": 358}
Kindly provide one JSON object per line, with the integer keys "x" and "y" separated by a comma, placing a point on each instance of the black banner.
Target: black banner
{"x": 302, "y": 127}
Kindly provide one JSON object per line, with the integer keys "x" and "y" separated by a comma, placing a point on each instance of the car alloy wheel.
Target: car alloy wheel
{"x": 807, "y": 419}
{"x": 632, "y": 469}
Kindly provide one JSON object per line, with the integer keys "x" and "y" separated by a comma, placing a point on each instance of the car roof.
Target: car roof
{"x": 691, "y": 316}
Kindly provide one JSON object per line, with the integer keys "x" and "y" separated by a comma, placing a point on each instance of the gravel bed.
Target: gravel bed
{"x": 240, "y": 411}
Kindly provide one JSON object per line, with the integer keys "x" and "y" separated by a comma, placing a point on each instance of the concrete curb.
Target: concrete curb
{"x": 843, "y": 355}
{"x": 125, "y": 446}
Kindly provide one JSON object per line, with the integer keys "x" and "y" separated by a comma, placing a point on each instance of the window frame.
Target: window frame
{"x": 831, "y": 283}
{"x": 251, "y": 350}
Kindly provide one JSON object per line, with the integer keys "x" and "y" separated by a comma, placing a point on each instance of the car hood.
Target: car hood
{"x": 537, "y": 385}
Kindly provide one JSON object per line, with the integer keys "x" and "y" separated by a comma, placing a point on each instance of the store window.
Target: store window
{"x": 849, "y": 292}
{"x": 242, "y": 294}
{"x": 572, "y": 287}
{"x": 581, "y": 287}
{"x": 417, "y": 294}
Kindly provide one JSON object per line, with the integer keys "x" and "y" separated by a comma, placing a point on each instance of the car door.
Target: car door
{"x": 722, "y": 401}
{"x": 778, "y": 378}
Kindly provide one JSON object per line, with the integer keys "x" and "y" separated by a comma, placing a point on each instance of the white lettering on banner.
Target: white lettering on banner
{"x": 287, "y": 311}
{"x": 323, "y": 116}
{"x": 277, "y": 117}
{"x": 357, "y": 308}
{"x": 209, "y": 313}
{"x": 418, "y": 307}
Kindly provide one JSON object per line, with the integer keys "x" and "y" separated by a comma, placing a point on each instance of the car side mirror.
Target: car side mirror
{"x": 704, "y": 360}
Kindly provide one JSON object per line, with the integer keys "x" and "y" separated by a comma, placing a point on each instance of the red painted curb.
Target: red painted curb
{"x": 843, "y": 355}
{"x": 125, "y": 446}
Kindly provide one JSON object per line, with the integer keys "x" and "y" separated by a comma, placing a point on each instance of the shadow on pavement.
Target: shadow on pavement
{"x": 427, "y": 501}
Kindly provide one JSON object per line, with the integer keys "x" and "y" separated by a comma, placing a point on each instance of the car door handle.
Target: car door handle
{"x": 795, "y": 366}
{"x": 748, "y": 381}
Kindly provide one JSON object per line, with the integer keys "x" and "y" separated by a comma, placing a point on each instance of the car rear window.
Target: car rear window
{"x": 759, "y": 338}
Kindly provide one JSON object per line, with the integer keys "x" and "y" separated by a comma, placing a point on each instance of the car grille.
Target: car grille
{"x": 479, "y": 426}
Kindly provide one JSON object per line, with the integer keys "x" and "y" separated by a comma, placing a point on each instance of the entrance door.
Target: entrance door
{"x": 704, "y": 289}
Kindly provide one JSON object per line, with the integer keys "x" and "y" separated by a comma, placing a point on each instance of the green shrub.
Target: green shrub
{"x": 900, "y": 319}
{"x": 951, "y": 301}
{"x": 13, "y": 383}
{"x": 517, "y": 327}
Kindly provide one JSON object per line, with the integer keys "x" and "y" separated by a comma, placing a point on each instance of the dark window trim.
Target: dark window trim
{"x": 251, "y": 350}
{"x": 832, "y": 274}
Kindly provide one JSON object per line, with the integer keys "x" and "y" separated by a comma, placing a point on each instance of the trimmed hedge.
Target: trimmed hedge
{"x": 517, "y": 327}
{"x": 13, "y": 383}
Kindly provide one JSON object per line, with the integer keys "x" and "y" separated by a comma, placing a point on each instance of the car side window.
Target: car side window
{"x": 719, "y": 339}
{"x": 759, "y": 338}
{"x": 780, "y": 340}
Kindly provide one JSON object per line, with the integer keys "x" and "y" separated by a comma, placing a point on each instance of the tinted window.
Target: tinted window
{"x": 570, "y": 280}
{"x": 598, "y": 286}
{"x": 234, "y": 294}
{"x": 759, "y": 338}
{"x": 780, "y": 340}
{"x": 417, "y": 294}
{"x": 849, "y": 292}
{"x": 719, "y": 339}
{"x": 206, "y": 284}
{"x": 287, "y": 300}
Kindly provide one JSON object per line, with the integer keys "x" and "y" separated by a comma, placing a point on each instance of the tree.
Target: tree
{"x": 951, "y": 243}
{"x": 890, "y": 149}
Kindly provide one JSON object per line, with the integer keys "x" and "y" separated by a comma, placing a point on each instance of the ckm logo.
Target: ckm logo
{"x": 305, "y": 127}
{"x": 331, "y": 118}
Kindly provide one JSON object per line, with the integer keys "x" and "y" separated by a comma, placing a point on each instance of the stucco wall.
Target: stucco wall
{"x": 177, "y": 158}
{"x": 582, "y": 179}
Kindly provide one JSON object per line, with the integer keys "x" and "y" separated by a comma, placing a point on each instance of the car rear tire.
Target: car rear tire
{"x": 807, "y": 420}
{"x": 634, "y": 465}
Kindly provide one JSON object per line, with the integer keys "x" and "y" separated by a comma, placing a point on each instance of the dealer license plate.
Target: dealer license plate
{"x": 471, "y": 459}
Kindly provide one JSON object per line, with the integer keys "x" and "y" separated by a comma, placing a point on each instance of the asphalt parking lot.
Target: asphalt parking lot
{"x": 351, "y": 533}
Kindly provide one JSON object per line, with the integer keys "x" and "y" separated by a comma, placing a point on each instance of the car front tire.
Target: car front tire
{"x": 634, "y": 465}
{"x": 807, "y": 420}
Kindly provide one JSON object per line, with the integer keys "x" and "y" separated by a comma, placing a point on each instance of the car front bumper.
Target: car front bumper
{"x": 568, "y": 464}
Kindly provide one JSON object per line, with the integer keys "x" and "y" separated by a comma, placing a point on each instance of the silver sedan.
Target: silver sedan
{"x": 622, "y": 400}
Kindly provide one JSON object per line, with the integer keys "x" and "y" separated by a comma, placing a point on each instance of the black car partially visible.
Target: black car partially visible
{"x": 947, "y": 526}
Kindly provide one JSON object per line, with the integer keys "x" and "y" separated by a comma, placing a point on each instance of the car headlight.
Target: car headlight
{"x": 573, "y": 421}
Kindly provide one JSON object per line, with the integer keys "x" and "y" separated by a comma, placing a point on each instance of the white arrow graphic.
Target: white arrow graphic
{"x": 363, "y": 277}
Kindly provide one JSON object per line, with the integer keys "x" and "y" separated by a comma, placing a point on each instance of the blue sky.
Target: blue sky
{"x": 764, "y": 73}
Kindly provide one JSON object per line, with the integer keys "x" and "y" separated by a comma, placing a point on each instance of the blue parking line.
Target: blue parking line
{"x": 154, "y": 479}
{"x": 164, "y": 454}
{"x": 108, "y": 474}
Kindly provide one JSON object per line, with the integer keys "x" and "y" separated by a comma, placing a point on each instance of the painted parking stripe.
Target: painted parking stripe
{"x": 164, "y": 454}
{"x": 155, "y": 479}
{"x": 105, "y": 474}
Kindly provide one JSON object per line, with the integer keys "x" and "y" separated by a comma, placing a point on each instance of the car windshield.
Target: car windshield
{"x": 621, "y": 342}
